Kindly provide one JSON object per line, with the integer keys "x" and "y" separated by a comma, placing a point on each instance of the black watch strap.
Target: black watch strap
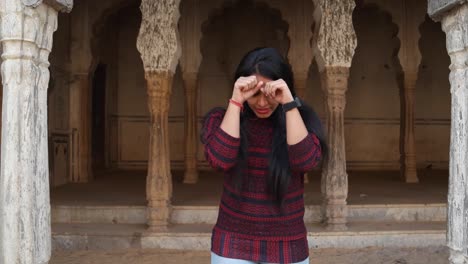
{"x": 292, "y": 105}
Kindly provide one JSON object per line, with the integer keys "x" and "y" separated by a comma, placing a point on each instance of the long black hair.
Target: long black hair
{"x": 269, "y": 63}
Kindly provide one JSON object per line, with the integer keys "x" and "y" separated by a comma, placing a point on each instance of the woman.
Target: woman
{"x": 264, "y": 142}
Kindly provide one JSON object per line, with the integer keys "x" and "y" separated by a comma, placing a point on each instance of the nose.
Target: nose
{"x": 262, "y": 101}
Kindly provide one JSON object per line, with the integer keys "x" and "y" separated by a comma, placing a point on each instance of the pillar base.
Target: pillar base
{"x": 457, "y": 257}
{"x": 408, "y": 169}
{"x": 336, "y": 227}
{"x": 158, "y": 215}
{"x": 156, "y": 229}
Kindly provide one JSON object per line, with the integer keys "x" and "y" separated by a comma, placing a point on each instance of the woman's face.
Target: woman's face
{"x": 262, "y": 106}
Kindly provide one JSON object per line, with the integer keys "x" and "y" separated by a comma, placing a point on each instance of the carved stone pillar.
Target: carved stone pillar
{"x": 190, "y": 26}
{"x": 159, "y": 180}
{"x": 408, "y": 15}
{"x": 80, "y": 114}
{"x": 300, "y": 83}
{"x": 191, "y": 127}
{"x": 297, "y": 14}
{"x": 407, "y": 138}
{"x": 26, "y": 35}
{"x": 454, "y": 16}
{"x": 80, "y": 94}
{"x": 334, "y": 176}
{"x": 334, "y": 50}
{"x": 160, "y": 51}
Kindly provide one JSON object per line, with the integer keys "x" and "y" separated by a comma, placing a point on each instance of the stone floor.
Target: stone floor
{"x": 365, "y": 187}
{"x": 429, "y": 255}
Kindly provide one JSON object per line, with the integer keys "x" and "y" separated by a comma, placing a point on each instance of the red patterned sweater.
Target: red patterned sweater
{"x": 250, "y": 224}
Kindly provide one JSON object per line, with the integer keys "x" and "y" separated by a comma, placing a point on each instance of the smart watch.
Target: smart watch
{"x": 291, "y": 105}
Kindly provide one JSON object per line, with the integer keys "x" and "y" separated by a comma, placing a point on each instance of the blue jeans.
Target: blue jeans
{"x": 215, "y": 259}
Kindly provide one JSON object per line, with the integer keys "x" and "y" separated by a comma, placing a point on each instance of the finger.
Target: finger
{"x": 259, "y": 84}
{"x": 253, "y": 81}
{"x": 271, "y": 90}
{"x": 267, "y": 89}
{"x": 251, "y": 92}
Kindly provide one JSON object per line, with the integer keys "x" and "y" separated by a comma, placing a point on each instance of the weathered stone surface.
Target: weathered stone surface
{"x": 336, "y": 39}
{"x": 26, "y": 35}
{"x": 455, "y": 25}
{"x": 159, "y": 47}
{"x": 159, "y": 179}
{"x": 334, "y": 183}
{"x": 59, "y": 5}
{"x": 158, "y": 41}
{"x": 437, "y": 8}
{"x": 334, "y": 51}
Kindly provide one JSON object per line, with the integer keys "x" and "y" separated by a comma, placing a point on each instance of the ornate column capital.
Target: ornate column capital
{"x": 59, "y": 5}
{"x": 336, "y": 39}
{"x": 335, "y": 85}
{"x": 158, "y": 40}
{"x": 336, "y": 79}
{"x": 159, "y": 91}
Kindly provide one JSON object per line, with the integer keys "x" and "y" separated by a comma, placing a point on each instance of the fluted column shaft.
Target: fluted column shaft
{"x": 80, "y": 115}
{"x": 191, "y": 128}
{"x": 407, "y": 137}
{"x": 159, "y": 179}
{"x": 455, "y": 26}
{"x": 26, "y": 35}
{"x": 334, "y": 177}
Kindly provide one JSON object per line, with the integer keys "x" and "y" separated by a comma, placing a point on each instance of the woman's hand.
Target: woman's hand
{"x": 245, "y": 87}
{"x": 279, "y": 91}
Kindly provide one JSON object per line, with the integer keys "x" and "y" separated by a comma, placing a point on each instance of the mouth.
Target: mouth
{"x": 262, "y": 111}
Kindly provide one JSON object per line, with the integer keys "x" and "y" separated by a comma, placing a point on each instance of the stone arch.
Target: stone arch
{"x": 373, "y": 102}
{"x": 228, "y": 60}
{"x": 106, "y": 66}
{"x": 99, "y": 23}
{"x": 432, "y": 98}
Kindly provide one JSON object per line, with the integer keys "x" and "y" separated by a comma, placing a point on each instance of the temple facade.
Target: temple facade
{"x": 103, "y": 95}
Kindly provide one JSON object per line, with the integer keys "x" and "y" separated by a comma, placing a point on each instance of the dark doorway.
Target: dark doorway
{"x": 99, "y": 118}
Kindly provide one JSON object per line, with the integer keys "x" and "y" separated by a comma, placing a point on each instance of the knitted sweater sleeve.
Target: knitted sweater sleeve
{"x": 221, "y": 149}
{"x": 306, "y": 154}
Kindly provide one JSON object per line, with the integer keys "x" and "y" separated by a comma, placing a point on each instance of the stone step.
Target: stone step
{"x": 208, "y": 214}
{"x": 197, "y": 236}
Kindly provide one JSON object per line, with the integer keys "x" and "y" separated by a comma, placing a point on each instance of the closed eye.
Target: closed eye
{"x": 257, "y": 93}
